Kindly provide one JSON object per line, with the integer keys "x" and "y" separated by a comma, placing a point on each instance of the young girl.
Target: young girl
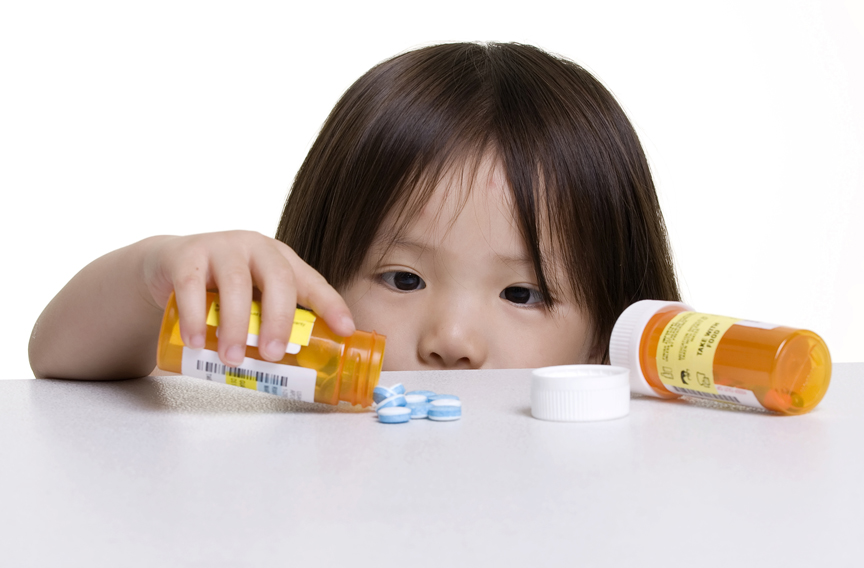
{"x": 481, "y": 205}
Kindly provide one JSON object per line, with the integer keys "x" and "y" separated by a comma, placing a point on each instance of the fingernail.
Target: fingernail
{"x": 275, "y": 349}
{"x": 348, "y": 325}
{"x": 196, "y": 341}
{"x": 235, "y": 354}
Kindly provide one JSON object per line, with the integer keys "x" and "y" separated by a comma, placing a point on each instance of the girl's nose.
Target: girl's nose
{"x": 453, "y": 339}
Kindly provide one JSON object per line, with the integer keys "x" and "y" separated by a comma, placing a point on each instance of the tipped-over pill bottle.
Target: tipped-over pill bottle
{"x": 672, "y": 350}
{"x": 319, "y": 366}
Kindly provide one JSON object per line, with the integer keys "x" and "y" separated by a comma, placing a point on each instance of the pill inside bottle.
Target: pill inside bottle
{"x": 673, "y": 351}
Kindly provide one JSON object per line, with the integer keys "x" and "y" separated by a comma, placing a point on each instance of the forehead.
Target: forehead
{"x": 470, "y": 199}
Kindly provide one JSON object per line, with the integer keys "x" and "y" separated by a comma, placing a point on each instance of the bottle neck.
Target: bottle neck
{"x": 362, "y": 360}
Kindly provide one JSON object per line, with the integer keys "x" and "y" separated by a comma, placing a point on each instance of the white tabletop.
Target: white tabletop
{"x": 174, "y": 471}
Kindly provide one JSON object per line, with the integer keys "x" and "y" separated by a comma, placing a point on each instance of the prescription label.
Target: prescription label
{"x": 287, "y": 381}
{"x": 301, "y": 332}
{"x": 304, "y": 321}
{"x": 685, "y": 353}
{"x": 743, "y": 397}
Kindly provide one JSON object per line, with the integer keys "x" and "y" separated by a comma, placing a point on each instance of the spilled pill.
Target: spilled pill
{"x": 418, "y": 405}
{"x": 425, "y": 393}
{"x": 380, "y": 393}
{"x": 394, "y": 415}
{"x": 419, "y": 411}
{"x": 445, "y": 409}
{"x": 395, "y": 400}
{"x": 443, "y": 397}
{"x": 395, "y": 406}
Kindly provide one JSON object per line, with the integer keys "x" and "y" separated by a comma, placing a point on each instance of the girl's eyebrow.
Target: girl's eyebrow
{"x": 414, "y": 245}
{"x": 420, "y": 248}
{"x": 517, "y": 259}
{"x": 384, "y": 245}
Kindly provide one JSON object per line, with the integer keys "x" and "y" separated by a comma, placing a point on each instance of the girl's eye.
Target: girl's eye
{"x": 405, "y": 281}
{"x": 521, "y": 295}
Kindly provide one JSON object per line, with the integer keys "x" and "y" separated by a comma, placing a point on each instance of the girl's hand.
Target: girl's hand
{"x": 234, "y": 263}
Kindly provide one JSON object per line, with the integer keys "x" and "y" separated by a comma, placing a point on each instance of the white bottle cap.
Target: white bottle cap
{"x": 627, "y": 337}
{"x": 580, "y": 393}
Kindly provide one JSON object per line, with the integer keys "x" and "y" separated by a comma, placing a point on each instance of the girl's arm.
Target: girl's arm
{"x": 104, "y": 324}
{"x": 101, "y": 325}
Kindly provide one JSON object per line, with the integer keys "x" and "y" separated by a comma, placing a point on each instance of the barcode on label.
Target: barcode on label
{"x": 700, "y": 394}
{"x": 287, "y": 381}
{"x": 241, "y": 373}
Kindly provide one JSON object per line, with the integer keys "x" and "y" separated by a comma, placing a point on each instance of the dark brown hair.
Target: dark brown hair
{"x": 578, "y": 175}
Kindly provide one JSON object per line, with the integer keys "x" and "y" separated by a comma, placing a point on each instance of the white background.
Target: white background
{"x": 120, "y": 120}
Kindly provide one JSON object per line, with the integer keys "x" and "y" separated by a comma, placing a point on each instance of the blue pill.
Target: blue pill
{"x": 418, "y": 404}
{"x": 398, "y": 388}
{"x": 425, "y": 393}
{"x": 444, "y": 410}
{"x": 416, "y": 399}
{"x": 394, "y": 415}
{"x": 395, "y": 400}
{"x": 443, "y": 397}
{"x": 380, "y": 393}
{"x": 419, "y": 410}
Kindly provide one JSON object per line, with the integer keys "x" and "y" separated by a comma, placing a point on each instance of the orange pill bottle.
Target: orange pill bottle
{"x": 672, "y": 350}
{"x": 319, "y": 366}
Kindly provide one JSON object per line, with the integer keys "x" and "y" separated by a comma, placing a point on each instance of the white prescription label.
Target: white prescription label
{"x": 735, "y": 395}
{"x": 287, "y": 381}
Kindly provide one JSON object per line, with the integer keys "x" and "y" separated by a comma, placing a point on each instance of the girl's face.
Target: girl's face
{"x": 457, "y": 290}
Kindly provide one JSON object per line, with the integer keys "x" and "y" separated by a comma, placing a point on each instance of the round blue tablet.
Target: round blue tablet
{"x": 394, "y": 415}
{"x": 444, "y": 410}
{"x": 398, "y": 388}
{"x": 416, "y": 399}
{"x": 395, "y": 400}
{"x": 443, "y": 397}
{"x": 380, "y": 393}
{"x": 419, "y": 409}
{"x": 425, "y": 393}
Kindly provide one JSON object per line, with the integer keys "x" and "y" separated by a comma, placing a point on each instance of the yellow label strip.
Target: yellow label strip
{"x": 301, "y": 331}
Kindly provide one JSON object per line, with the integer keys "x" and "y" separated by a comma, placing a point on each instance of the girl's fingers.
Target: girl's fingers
{"x": 190, "y": 289}
{"x": 315, "y": 293}
{"x": 274, "y": 277}
{"x": 233, "y": 263}
{"x": 234, "y": 281}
